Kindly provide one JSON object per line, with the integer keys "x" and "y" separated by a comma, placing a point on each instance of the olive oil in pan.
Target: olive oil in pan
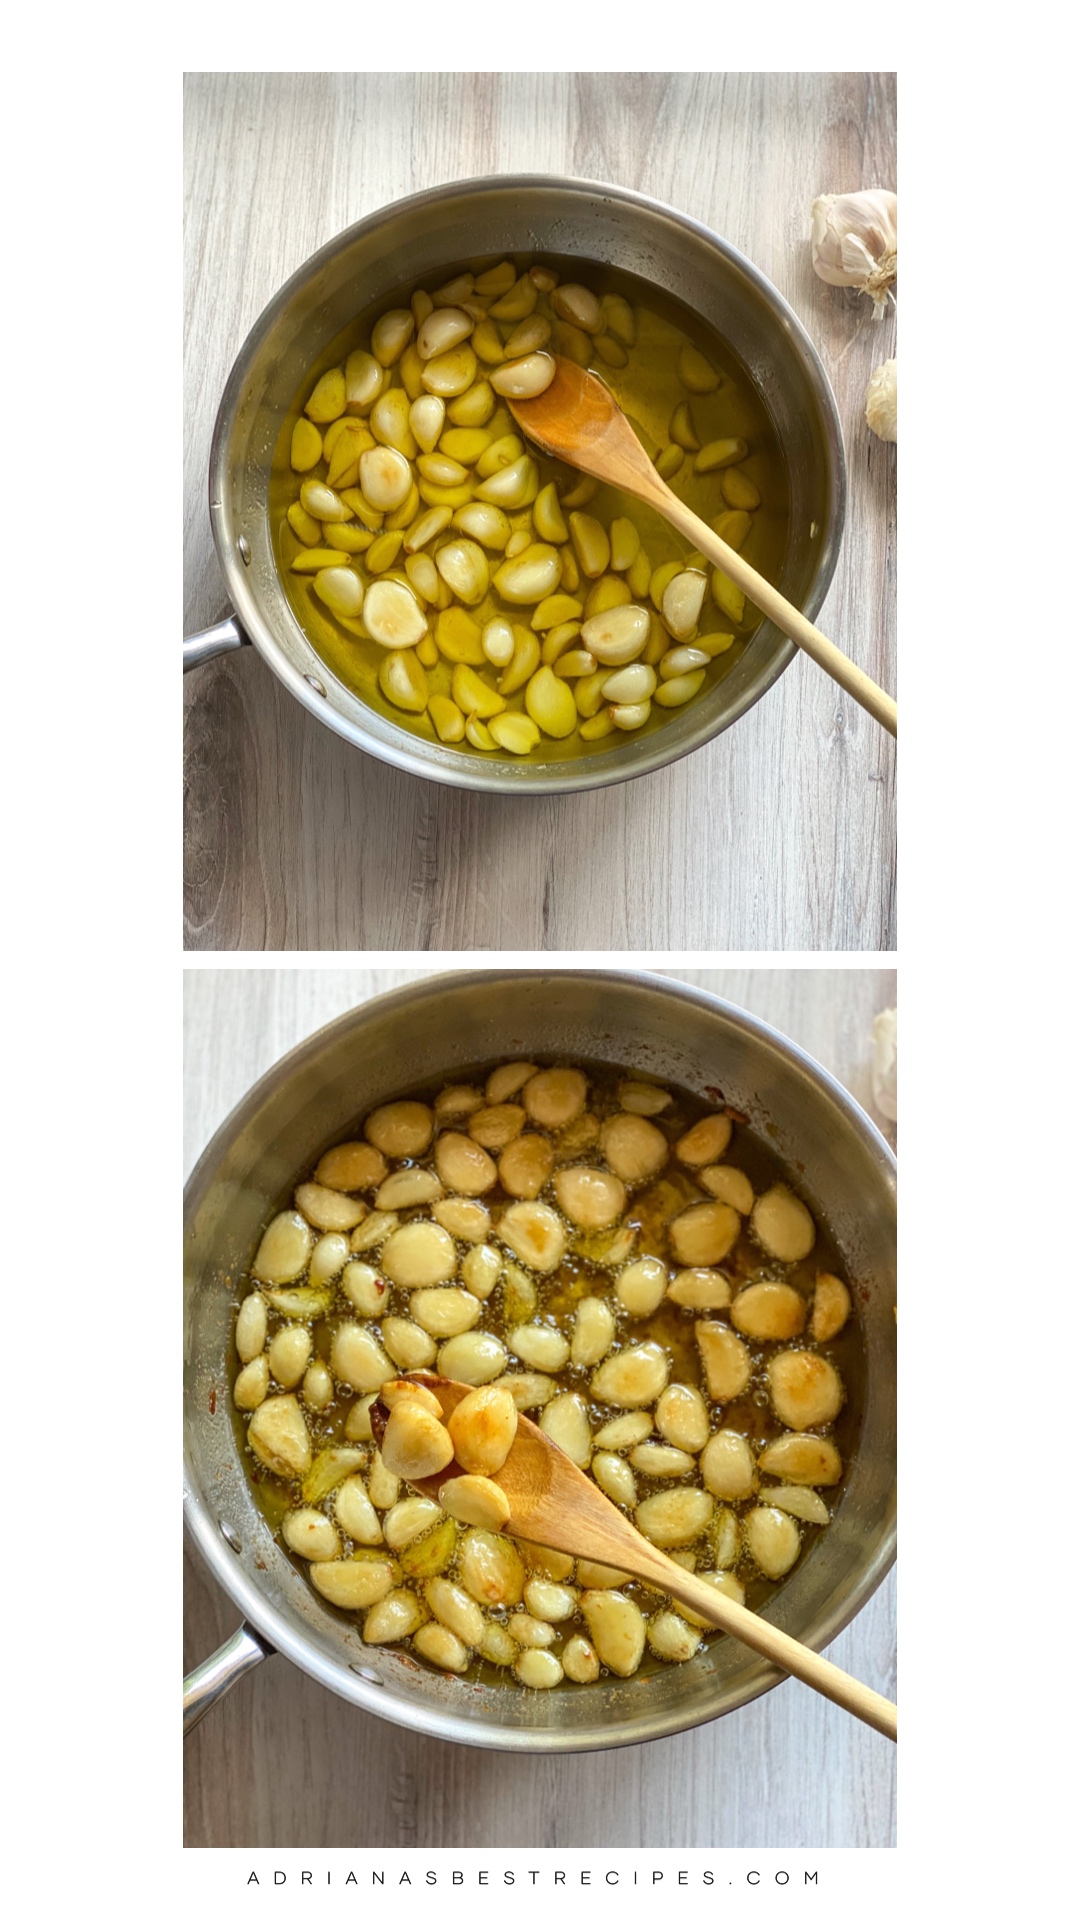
{"x": 649, "y": 389}
{"x": 650, "y": 1209}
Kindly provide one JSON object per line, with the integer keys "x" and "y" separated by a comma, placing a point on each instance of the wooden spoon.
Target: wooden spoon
{"x": 553, "y": 1504}
{"x": 577, "y": 419}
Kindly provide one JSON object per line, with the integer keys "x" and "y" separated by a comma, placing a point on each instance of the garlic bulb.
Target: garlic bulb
{"x": 881, "y": 401}
{"x": 853, "y": 242}
{"x": 883, "y": 1073}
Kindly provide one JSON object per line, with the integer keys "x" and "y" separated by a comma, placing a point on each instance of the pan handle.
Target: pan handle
{"x": 224, "y": 638}
{"x": 205, "y": 1687}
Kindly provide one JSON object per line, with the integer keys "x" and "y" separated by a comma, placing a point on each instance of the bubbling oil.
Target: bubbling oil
{"x": 671, "y": 1326}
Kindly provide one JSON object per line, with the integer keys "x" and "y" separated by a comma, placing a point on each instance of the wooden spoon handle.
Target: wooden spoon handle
{"x": 778, "y": 1647}
{"x": 780, "y": 611}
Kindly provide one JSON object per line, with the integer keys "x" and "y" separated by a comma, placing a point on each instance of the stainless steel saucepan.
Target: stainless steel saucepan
{"x": 412, "y": 241}
{"x": 443, "y": 1026}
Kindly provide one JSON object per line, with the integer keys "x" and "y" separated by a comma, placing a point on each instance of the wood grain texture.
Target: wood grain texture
{"x": 795, "y": 1771}
{"x": 778, "y": 835}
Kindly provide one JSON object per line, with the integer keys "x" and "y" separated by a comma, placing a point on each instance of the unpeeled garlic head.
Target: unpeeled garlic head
{"x": 853, "y": 241}
{"x": 881, "y": 401}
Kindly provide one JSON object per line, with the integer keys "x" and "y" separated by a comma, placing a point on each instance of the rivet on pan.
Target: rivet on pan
{"x": 317, "y": 684}
{"x": 245, "y": 550}
{"x": 366, "y": 1674}
{"x": 233, "y": 1538}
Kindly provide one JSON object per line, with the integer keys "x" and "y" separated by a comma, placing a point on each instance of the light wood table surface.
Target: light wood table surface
{"x": 779, "y": 834}
{"x": 281, "y": 1762}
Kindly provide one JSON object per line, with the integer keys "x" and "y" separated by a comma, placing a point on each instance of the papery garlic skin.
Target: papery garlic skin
{"x": 853, "y": 242}
{"x": 883, "y": 1073}
{"x": 881, "y": 401}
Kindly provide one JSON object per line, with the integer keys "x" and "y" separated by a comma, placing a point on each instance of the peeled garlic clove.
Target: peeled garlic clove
{"x": 497, "y": 640}
{"x": 444, "y": 328}
{"x": 682, "y": 602}
{"x": 525, "y": 1166}
{"x": 463, "y": 565}
{"x": 444, "y": 1311}
{"x": 773, "y": 1539}
{"x": 726, "y": 1361}
{"x": 661, "y": 1463}
{"x": 415, "y": 1445}
{"x": 678, "y": 661}
{"x": 529, "y": 337}
{"x": 881, "y": 401}
{"x": 803, "y": 1460}
{"x": 626, "y": 1430}
{"x": 782, "y": 1225}
{"x": 730, "y": 1184}
{"x": 252, "y": 1383}
{"x": 385, "y": 479}
{"x": 633, "y": 1148}
{"x": 403, "y": 681}
{"x": 727, "y": 1466}
{"x": 357, "y": 1358}
{"x": 705, "y": 1142}
{"x": 594, "y": 1331}
{"x": 402, "y": 1129}
{"x": 534, "y": 1234}
{"x": 720, "y": 453}
{"x": 682, "y": 1418}
{"x": 351, "y": 1167}
{"x": 578, "y": 305}
{"x": 410, "y": 1187}
{"x": 617, "y": 1627}
{"x": 832, "y": 1304}
{"x": 700, "y": 1288}
{"x": 704, "y": 1234}
{"x": 472, "y": 1358}
{"x": 514, "y": 732}
{"x": 322, "y": 502}
{"x": 277, "y": 1433}
{"x": 853, "y": 241}
{"x": 675, "y": 1519}
{"x": 640, "y": 1287}
{"x": 340, "y": 589}
{"x": 426, "y": 417}
{"x": 631, "y": 686}
{"x": 803, "y": 1502}
{"x": 524, "y": 379}
{"x": 636, "y": 1377}
{"x": 590, "y": 1197}
{"x": 768, "y": 1310}
{"x": 482, "y": 1429}
{"x": 328, "y": 399}
{"x": 407, "y": 1344}
{"x": 391, "y": 335}
{"x": 251, "y": 1327}
{"x": 421, "y": 1254}
{"x": 550, "y": 704}
{"x": 284, "y": 1249}
{"x": 681, "y": 688}
{"x": 696, "y": 372}
{"x": 392, "y": 615}
{"x": 805, "y": 1389}
{"x": 363, "y": 381}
